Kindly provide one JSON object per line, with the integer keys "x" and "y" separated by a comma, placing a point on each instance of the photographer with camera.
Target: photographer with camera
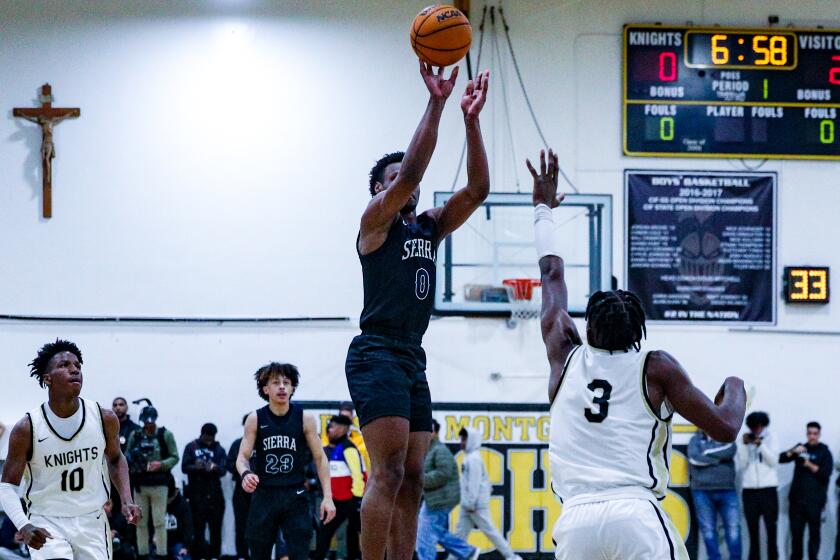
{"x": 808, "y": 491}
{"x": 152, "y": 454}
{"x": 757, "y": 460}
{"x": 204, "y": 464}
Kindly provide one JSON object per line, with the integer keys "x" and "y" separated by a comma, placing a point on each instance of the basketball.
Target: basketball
{"x": 441, "y": 35}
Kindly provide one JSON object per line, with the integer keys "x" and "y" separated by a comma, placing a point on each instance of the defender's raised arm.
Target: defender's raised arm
{"x": 558, "y": 330}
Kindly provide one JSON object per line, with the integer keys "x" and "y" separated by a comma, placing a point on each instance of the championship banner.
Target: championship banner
{"x": 701, "y": 246}
{"x": 515, "y": 452}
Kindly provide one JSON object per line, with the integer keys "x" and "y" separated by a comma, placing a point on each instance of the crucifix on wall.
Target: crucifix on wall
{"x": 46, "y": 116}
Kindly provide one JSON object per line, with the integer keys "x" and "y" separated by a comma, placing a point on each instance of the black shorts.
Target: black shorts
{"x": 387, "y": 377}
{"x": 280, "y": 507}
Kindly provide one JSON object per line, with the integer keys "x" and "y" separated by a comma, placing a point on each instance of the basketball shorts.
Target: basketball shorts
{"x": 275, "y": 508}
{"x": 386, "y": 376}
{"x": 86, "y": 537}
{"x": 624, "y": 529}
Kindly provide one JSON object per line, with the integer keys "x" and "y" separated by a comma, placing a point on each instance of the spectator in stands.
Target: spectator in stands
{"x": 757, "y": 458}
{"x": 475, "y": 495}
{"x": 152, "y": 454}
{"x": 121, "y": 545}
{"x": 441, "y": 493}
{"x": 355, "y": 435}
{"x": 179, "y": 524}
{"x": 347, "y": 478}
{"x": 808, "y": 491}
{"x": 241, "y": 498}
{"x": 204, "y": 464}
{"x": 712, "y": 479}
{"x": 120, "y": 407}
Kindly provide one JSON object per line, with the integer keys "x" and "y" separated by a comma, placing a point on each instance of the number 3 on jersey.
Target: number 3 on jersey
{"x": 603, "y": 401}
{"x": 422, "y": 283}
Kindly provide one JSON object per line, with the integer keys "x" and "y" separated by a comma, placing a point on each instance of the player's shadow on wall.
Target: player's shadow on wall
{"x": 30, "y": 133}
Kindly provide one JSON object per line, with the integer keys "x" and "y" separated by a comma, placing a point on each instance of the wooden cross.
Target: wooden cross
{"x": 46, "y": 116}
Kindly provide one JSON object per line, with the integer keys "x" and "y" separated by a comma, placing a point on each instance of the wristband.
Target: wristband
{"x": 545, "y": 237}
{"x": 246, "y": 473}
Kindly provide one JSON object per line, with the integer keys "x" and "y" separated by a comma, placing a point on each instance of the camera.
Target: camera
{"x": 140, "y": 455}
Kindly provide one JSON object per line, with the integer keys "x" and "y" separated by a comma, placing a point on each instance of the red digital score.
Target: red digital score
{"x": 834, "y": 73}
{"x": 668, "y": 66}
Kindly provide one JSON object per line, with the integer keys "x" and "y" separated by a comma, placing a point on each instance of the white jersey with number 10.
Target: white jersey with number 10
{"x": 606, "y": 440}
{"x": 66, "y": 476}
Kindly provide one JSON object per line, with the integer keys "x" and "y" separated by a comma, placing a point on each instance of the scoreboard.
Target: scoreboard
{"x": 731, "y": 93}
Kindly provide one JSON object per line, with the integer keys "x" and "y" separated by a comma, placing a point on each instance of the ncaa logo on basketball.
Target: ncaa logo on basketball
{"x": 448, "y": 14}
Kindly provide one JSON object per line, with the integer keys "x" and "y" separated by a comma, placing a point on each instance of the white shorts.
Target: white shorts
{"x": 86, "y": 537}
{"x": 625, "y": 529}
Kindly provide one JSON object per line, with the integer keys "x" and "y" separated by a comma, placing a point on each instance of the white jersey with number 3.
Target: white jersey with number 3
{"x": 66, "y": 476}
{"x": 606, "y": 442}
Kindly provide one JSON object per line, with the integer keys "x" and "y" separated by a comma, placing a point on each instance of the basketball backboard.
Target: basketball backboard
{"x": 497, "y": 243}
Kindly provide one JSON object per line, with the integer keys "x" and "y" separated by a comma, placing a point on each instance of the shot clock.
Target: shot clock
{"x": 806, "y": 284}
{"x": 720, "y": 92}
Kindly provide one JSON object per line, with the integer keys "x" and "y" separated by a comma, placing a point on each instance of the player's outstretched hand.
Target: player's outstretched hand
{"x": 34, "y": 537}
{"x": 327, "y": 510}
{"x": 439, "y": 87}
{"x": 475, "y": 95}
{"x": 250, "y": 482}
{"x": 132, "y": 513}
{"x": 545, "y": 182}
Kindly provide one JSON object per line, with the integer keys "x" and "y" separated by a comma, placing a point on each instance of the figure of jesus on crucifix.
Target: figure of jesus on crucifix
{"x": 46, "y": 117}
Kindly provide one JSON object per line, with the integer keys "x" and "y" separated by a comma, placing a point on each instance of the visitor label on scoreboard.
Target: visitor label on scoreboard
{"x": 701, "y": 246}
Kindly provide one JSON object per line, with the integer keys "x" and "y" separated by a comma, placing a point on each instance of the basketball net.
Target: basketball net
{"x": 525, "y": 300}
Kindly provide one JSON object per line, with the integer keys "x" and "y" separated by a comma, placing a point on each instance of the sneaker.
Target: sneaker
{"x": 515, "y": 557}
{"x": 475, "y": 554}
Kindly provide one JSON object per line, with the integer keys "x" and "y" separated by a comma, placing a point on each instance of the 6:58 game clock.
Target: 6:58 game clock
{"x": 724, "y": 92}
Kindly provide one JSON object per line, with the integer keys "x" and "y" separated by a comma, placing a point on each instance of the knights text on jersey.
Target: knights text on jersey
{"x": 399, "y": 279}
{"x": 605, "y": 440}
{"x": 67, "y": 477}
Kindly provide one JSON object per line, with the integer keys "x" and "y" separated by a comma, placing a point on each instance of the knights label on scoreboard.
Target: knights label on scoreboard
{"x": 701, "y": 245}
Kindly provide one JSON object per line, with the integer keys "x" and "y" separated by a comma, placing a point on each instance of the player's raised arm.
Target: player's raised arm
{"x": 322, "y": 464}
{"x": 721, "y": 419}
{"x": 464, "y": 202}
{"x": 118, "y": 466}
{"x": 250, "y": 481}
{"x": 20, "y": 448}
{"x": 558, "y": 330}
{"x": 389, "y": 201}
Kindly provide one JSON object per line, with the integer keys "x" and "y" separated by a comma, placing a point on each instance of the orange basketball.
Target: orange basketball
{"x": 441, "y": 35}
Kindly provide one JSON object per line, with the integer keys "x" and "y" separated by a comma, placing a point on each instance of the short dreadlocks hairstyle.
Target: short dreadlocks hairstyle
{"x": 616, "y": 320}
{"x": 265, "y": 373}
{"x": 38, "y": 366}
{"x": 377, "y": 173}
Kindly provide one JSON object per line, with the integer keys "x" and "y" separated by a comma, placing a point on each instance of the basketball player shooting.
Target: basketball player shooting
{"x": 386, "y": 365}
{"x": 611, "y": 410}
{"x": 64, "y": 445}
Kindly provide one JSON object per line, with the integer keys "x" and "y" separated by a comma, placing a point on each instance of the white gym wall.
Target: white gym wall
{"x": 219, "y": 169}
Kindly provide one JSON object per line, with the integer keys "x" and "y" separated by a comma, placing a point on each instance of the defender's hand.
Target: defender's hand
{"x": 475, "y": 95}
{"x": 438, "y": 86}
{"x": 545, "y": 182}
{"x": 250, "y": 482}
{"x": 34, "y": 537}
{"x": 154, "y": 466}
{"x": 132, "y": 513}
{"x": 327, "y": 510}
